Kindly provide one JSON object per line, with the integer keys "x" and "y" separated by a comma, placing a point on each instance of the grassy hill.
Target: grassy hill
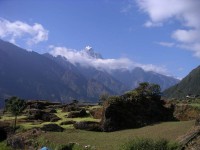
{"x": 102, "y": 140}
{"x": 190, "y": 85}
{"x": 113, "y": 140}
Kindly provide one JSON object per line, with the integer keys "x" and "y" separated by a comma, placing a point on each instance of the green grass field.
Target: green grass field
{"x": 196, "y": 105}
{"x": 113, "y": 140}
{"x": 3, "y": 146}
{"x": 102, "y": 140}
{"x": 60, "y": 114}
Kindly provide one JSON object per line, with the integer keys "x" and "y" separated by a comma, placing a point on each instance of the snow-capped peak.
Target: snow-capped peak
{"x": 88, "y": 48}
{"x": 90, "y": 52}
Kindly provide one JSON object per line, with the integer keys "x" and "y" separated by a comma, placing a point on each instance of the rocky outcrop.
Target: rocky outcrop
{"x": 96, "y": 112}
{"x": 5, "y": 130}
{"x": 190, "y": 140}
{"x": 52, "y": 128}
{"x": 3, "y": 134}
{"x": 70, "y": 107}
{"x": 88, "y": 125}
{"x": 76, "y": 114}
{"x": 24, "y": 140}
{"x": 37, "y": 114}
{"x": 67, "y": 122}
{"x": 121, "y": 113}
{"x": 36, "y": 104}
{"x": 185, "y": 112}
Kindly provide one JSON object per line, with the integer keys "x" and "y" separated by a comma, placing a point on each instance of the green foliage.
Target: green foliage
{"x": 114, "y": 99}
{"x": 149, "y": 144}
{"x": 188, "y": 86}
{"x": 3, "y": 146}
{"x": 69, "y": 146}
{"x": 146, "y": 90}
{"x": 136, "y": 108}
{"x": 103, "y": 97}
{"x": 66, "y": 147}
{"x": 15, "y": 105}
{"x": 113, "y": 140}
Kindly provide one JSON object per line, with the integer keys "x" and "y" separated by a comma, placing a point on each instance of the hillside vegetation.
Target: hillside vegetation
{"x": 30, "y": 75}
{"x": 190, "y": 85}
{"x": 137, "y": 108}
{"x": 139, "y": 113}
{"x": 113, "y": 140}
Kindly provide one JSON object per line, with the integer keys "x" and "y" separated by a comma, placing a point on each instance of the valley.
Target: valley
{"x": 108, "y": 125}
{"x": 30, "y": 75}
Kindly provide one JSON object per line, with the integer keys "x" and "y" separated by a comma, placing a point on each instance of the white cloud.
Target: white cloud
{"x": 192, "y": 47}
{"x": 82, "y": 58}
{"x": 32, "y": 34}
{"x": 187, "y": 36}
{"x": 185, "y": 11}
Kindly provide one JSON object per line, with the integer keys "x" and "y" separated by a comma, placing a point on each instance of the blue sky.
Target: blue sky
{"x": 161, "y": 36}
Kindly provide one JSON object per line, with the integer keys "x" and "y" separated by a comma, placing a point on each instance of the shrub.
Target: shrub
{"x": 67, "y": 122}
{"x": 197, "y": 121}
{"x": 96, "y": 113}
{"x": 134, "y": 109}
{"x": 88, "y": 125}
{"x": 52, "y": 128}
{"x": 3, "y": 134}
{"x": 37, "y": 114}
{"x": 76, "y": 114}
{"x": 70, "y": 108}
{"x": 67, "y": 147}
{"x": 149, "y": 144}
{"x": 52, "y": 111}
{"x": 3, "y": 146}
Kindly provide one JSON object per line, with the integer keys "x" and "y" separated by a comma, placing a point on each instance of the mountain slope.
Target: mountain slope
{"x": 190, "y": 85}
{"x": 30, "y": 75}
{"x": 134, "y": 77}
{"x": 104, "y": 78}
{"x": 94, "y": 87}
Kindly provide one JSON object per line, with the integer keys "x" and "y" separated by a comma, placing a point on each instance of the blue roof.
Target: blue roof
{"x": 44, "y": 148}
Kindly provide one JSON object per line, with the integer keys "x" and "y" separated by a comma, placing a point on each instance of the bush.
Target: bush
{"x": 3, "y": 134}
{"x": 70, "y": 108}
{"x": 76, "y": 114}
{"x": 96, "y": 113}
{"x": 52, "y": 111}
{"x": 67, "y": 122}
{"x": 87, "y": 125}
{"x": 3, "y": 146}
{"x": 149, "y": 144}
{"x": 67, "y": 147}
{"x": 37, "y": 114}
{"x": 52, "y": 128}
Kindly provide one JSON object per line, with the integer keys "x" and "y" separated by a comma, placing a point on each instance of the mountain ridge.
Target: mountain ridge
{"x": 190, "y": 85}
{"x": 31, "y": 75}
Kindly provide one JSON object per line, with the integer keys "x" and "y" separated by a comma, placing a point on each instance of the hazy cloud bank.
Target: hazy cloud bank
{"x": 84, "y": 59}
